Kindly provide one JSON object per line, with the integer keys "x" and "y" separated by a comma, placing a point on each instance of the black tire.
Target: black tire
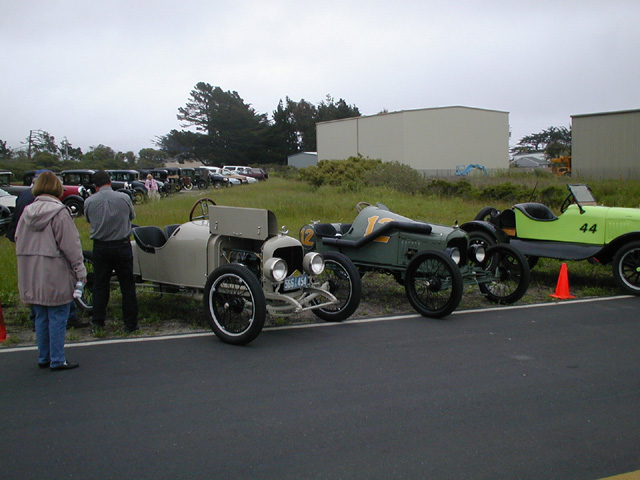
{"x": 202, "y": 184}
{"x": 138, "y": 197}
{"x": 234, "y": 304}
{"x": 344, "y": 283}
{"x": 217, "y": 184}
{"x": 486, "y": 213}
{"x": 511, "y": 274}
{"x": 85, "y": 303}
{"x": 433, "y": 284}
{"x": 75, "y": 205}
{"x": 626, "y": 268}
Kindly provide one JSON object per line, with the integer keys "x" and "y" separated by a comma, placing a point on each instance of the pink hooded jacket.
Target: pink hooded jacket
{"x": 49, "y": 253}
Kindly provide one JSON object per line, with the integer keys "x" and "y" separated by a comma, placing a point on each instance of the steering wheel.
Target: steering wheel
{"x": 204, "y": 209}
{"x": 361, "y": 205}
{"x": 567, "y": 201}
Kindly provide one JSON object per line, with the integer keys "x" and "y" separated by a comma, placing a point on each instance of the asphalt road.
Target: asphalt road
{"x": 520, "y": 393}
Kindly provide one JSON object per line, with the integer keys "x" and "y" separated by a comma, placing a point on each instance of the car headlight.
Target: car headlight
{"x": 454, "y": 253}
{"x": 276, "y": 269}
{"x": 313, "y": 263}
{"x": 477, "y": 253}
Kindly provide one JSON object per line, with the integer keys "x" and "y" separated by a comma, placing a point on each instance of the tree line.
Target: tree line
{"x": 217, "y": 128}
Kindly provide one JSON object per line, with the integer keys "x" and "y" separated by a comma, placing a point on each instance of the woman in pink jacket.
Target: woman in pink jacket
{"x": 49, "y": 264}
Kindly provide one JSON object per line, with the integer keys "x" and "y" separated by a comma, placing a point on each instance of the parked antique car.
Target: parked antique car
{"x": 583, "y": 231}
{"x": 433, "y": 262}
{"x": 72, "y": 195}
{"x": 242, "y": 267}
{"x": 130, "y": 178}
{"x": 160, "y": 176}
{"x": 7, "y": 206}
{"x": 84, "y": 177}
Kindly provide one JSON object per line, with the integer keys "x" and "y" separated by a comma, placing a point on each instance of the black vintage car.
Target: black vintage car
{"x": 84, "y": 177}
{"x": 72, "y": 195}
{"x": 132, "y": 177}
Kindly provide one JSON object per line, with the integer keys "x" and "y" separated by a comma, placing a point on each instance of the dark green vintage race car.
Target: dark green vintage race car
{"x": 433, "y": 262}
{"x": 583, "y": 231}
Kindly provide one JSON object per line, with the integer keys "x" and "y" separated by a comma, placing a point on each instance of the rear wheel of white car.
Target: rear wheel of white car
{"x": 342, "y": 280}
{"x": 235, "y": 304}
{"x": 626, "y": 268}
{"x": 510, "y": 274}
{"x": 433, "y": 284}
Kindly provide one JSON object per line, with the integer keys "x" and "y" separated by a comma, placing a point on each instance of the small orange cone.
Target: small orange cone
{"x": 3, "y": 330}
{"x": 562, "y": 288}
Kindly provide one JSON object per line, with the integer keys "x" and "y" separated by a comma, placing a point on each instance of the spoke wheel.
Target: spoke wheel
{"x": 234, "y": 304}
{"x": 626, "y": 268}
{"x": 433, "y": 284}
{"x": 85, "y": 302}
{"x": 204, "y": 204}
{"x": 342, "y": 279}
{"x": 509, "y": 274}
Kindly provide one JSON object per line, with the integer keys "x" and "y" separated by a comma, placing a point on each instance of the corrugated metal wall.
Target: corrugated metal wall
{"x": 606, "y": 145}
{"x": 433, "y": 140}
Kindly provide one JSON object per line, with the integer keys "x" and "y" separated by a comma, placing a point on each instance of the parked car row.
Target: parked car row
{"x": 78, "y": 184}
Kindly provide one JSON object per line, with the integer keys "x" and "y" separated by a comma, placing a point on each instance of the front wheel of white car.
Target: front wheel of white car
{"x": 341, "y": 278}
{"x": 235, "y": 304}
{"x": 626, "y": 268}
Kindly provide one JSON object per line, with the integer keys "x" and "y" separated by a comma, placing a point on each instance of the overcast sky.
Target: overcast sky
{"x": 116, "y": 72}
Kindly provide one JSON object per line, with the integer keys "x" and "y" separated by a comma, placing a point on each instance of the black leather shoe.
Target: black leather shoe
{"x": 65, "y": 366}
{"x": 44, "y": 365}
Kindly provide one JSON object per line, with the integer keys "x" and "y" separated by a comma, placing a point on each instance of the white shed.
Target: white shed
{"x": 431, "y": 140}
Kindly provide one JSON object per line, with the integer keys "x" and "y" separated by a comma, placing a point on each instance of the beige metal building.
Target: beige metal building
{"x": 431, "y": 140}
{"x": 606, "y": 145}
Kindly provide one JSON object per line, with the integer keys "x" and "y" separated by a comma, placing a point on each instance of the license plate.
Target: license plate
{"x": 295, "y": 283}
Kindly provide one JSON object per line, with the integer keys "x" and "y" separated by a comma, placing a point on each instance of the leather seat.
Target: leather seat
{"x": 536, "y": 211}
{"x": 149, "y": 238}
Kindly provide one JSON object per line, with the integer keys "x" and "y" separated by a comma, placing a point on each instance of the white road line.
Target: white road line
{"x": 317, "y": 325}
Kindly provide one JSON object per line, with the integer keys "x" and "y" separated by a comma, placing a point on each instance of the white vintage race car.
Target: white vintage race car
{"x": 242, "y": 267}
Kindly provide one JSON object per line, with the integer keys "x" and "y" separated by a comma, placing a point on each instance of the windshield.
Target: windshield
{"x": 582, "y": 193}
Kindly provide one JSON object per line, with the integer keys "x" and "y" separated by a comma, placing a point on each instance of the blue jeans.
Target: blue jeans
{"x": 51, "y": 326}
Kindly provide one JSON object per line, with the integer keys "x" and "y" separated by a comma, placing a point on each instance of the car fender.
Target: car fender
{"x": 609, "y": 251}
{"x": 485, "y": 227}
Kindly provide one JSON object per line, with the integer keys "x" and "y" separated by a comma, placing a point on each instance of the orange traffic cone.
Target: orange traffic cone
{"x": 562, "y": 288}
{"x": 3, "y": 330}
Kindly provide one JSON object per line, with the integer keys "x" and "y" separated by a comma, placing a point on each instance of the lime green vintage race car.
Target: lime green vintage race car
{"x": 583, "y": 231}
{"x": 433, "y": 262}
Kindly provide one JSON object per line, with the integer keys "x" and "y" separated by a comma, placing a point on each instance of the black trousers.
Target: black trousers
{"x": 109, "y": 257}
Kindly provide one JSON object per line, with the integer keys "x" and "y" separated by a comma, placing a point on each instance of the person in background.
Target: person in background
{"x": 109, "y": 214}
{"x": 152, "y": 187}
{"x": 25, "y": 198}
{"x": 50, "y": 262}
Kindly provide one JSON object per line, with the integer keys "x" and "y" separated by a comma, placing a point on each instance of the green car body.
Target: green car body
{"x": 433, "y": 262}
{"x": 583, "y": 231}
